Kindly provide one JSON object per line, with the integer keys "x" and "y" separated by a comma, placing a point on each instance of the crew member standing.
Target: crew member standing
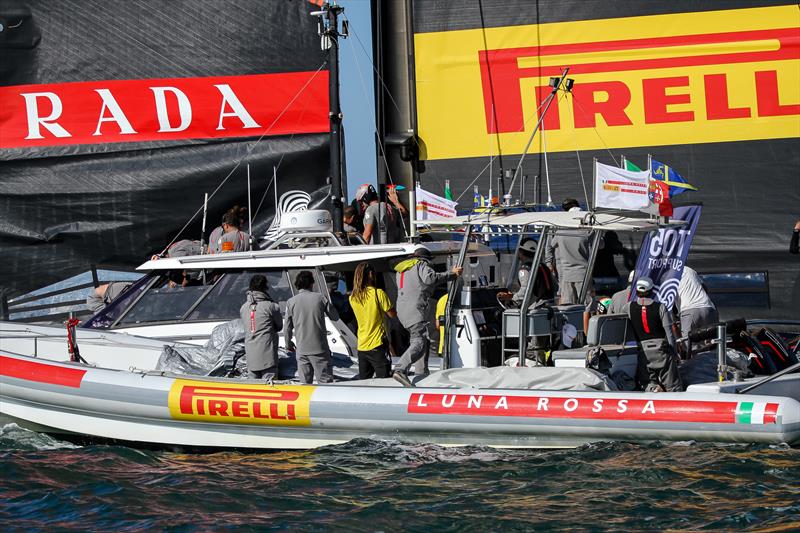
{"x": 696, "y": 308}
{"x": 370, "y": 304}
{"x": 262, "y": 321}
{"x": 416, "y": 280}
{"x": 653, "y": 324}
{"x": 305, "y": 320}
{"x": 567, "y": 254}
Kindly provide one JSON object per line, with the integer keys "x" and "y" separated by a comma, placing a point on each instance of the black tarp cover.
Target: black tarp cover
{"x": 117, "y": 116}
{"x": 711, "y": 88}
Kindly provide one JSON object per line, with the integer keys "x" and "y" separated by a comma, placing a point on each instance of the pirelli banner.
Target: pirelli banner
{"x": 116, "y": 117}
{"x": 715, "y": 91}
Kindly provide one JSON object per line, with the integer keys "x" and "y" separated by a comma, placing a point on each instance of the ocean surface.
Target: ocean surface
{"x": 368, "y": 485}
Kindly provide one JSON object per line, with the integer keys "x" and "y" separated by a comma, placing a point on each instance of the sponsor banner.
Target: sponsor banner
{"x": 617, "y": 188}
{"x": 277, "y": 405}
{"x": 41, "y": 372}
{"x": 113, "y": 111}
{"x": 664, "y": 252}
{"x": 594, "y": 408}
{"x": 656, "y": 80}
{"x": 433, "y": 207}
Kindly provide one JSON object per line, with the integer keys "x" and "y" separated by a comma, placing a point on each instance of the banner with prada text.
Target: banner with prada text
{"x": 116, "y": 117}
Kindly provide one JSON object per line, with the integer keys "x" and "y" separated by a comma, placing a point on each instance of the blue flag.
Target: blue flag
{"x": 663, "y": 254}
{"x": 677, "y": 184}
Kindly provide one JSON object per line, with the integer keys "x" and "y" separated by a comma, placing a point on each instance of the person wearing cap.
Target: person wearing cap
{"x": 262, "y": 321}
{"x": 416, "y": 280}
{"x": 620, "y": 299}
{"x": 101, "y": 296}
{"x": 653, "y": 324}
{"x": 382, "y": 223}
{"x": 544, "y": 286}
{"x": 567, "y": 255}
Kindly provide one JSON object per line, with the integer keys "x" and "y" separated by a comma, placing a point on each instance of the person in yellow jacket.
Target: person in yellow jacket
{"x": 369, "y": 305}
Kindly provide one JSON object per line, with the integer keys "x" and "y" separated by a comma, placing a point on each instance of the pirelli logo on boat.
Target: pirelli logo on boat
{"x": 278, "y": 405}
{"x": 594, "y": 408}
{"x": 680, "y": 78}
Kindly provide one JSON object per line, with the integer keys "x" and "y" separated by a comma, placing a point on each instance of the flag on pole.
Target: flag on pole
{"x": 447, "y": 192}
{"x": 433, "y": 207}
{"x": 677, "y": 184}
{"x": 617, "y": 188}
{"x": 657, "y": 192}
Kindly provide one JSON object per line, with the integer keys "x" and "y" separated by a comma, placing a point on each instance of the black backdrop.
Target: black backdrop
{"x": 63, "y": 208}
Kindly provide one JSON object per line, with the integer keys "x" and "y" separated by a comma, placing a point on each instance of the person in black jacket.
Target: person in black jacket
{"x": 794, "y": 243}
{"x": 654, "y": 326}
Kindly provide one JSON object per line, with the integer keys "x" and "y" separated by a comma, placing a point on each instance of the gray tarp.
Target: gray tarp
{"x": 504, "y": 377}
{"x": 216, "y": 356}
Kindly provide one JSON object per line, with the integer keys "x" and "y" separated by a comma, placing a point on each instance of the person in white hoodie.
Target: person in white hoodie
{"x": 695, "y": 306}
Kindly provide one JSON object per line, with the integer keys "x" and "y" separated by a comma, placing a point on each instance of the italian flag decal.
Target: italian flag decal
{"x": 756, "y": 413}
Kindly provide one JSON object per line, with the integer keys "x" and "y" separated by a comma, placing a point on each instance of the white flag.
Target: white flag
{"x": 432, "y": 207}
{"x": 616, "y": 188}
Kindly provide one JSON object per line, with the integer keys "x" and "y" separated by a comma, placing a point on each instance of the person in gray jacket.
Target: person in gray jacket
{"x": 101, "y": 296}
{"x": 262, "y": 321}
{"x": 619, "y": 300}
{"x": 416, "y": 280}
{"x": 567, "y": 254}
{"x": 305, "y": 320}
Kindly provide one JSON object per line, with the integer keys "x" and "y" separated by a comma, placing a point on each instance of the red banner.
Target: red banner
{"x": 114, "y": 111}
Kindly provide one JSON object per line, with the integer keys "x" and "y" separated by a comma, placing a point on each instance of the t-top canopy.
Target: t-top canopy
{"x": 556, "y": 219}
{"x": 306, "y": 257}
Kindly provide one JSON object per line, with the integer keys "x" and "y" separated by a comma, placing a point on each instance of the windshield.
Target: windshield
{"x": 228, "y": 295}
{"x": 164, "y": 303}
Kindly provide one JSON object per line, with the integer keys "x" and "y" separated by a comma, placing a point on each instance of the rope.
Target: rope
{"x": 247, "y": 153}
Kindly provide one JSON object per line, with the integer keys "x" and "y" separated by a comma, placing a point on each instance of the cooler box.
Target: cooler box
{"x": 538, "y": 323}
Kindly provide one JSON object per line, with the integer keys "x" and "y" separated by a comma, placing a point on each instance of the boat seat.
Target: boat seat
{"x": 615, "y": 334}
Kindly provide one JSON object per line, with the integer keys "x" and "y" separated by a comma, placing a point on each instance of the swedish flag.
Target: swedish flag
{"x": 677, "y": 184}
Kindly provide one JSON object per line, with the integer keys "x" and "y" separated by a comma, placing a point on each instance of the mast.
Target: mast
{"x": 329, "y": 34}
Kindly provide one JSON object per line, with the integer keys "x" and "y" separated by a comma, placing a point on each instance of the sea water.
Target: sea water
{"x": 372, "y": 485}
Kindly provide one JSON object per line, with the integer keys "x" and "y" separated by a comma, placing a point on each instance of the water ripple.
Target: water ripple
{"x": 371, "y": 485}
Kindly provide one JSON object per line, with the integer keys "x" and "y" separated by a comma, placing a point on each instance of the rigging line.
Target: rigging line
{"x": 381, "y": 148}
{"x": 491, "y": 158}
{"x": 522, "y": 128}
{"x": 247, "y": 153}
{"x": 491, "y": 84}
{"x": 574, "y": 101}
{"x": 578, "y": 155}
{"x": 374, "y": 68}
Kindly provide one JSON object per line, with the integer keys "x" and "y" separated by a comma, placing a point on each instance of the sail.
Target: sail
{"x": 117, "y": 117}
{"x": 710, "y": 88}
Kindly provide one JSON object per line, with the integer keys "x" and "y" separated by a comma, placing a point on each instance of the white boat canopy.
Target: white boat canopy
{"x": 307, "y": 257}
{"x": 556, "y": 219}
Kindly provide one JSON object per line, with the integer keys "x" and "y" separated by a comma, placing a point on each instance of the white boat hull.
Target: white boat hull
{"x": 166, "y": 410}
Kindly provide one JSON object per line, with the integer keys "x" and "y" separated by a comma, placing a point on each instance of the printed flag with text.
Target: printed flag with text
{"x": 617, "y": 188}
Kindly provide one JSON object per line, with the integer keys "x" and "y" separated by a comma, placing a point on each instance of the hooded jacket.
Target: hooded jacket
{"x": 416, "y": 280}
{"x": 262, "y": 321}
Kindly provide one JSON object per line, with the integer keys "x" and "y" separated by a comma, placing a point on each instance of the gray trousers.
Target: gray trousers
{"x": 697, "y": 318}
{"x": 318, "y": 365}
{"x": 662, "y": 364}
{"x": 570, "y": 290}
{"x": 417, "y": 349}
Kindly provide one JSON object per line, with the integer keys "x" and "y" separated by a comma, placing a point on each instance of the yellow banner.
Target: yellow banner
{"x": 683, "y": 78}
{"x": 277, "y": 405}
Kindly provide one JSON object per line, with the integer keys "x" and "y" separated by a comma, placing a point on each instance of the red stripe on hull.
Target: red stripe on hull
{"x": 41, "y": 372}
{"x": 576, "y": 408}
